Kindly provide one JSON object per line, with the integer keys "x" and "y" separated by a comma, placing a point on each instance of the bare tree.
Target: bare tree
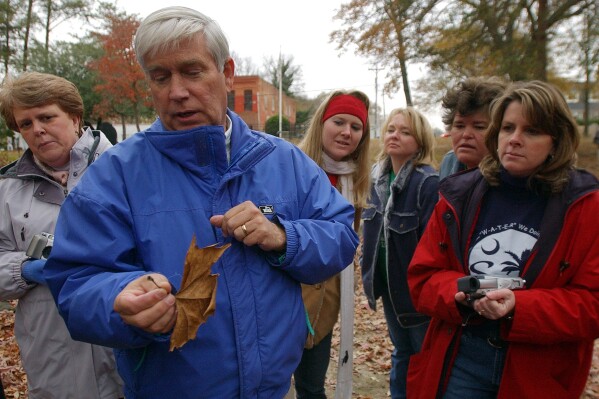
{"x": 387, "y": 31}
{"x": 56, "y": 12}
{"x": 244, "y": 66}
{"x": 12, "y": 21}
{"x": 510, "y": 37}
{"x": 27, "y": 31}
{"x": 589, "y": 51}
{"x": 291, "y": 74}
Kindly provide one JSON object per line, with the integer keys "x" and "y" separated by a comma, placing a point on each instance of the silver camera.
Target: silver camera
{"x": 475, "y": 287}
{"x": 40, "y": 246}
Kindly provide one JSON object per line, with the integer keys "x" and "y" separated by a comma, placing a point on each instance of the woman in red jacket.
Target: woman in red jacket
{"x": 527, "y": 213}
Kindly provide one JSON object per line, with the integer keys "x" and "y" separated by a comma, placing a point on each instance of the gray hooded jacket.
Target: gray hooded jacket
{"x": 56, "y": 366}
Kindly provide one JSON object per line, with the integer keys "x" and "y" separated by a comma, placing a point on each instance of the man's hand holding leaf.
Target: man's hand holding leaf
{"x": 147, "y": 303}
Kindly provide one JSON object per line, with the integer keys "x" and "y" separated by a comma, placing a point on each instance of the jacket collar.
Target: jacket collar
{"x": 22, "y": 166}
{"x": 380, "y": 174}
{"x": 204, "y": 147}
{"x": 193, "y": 149}
{"x": 25, "y": 166}
{"x": 455, "y": 187}
{"x": 581, "y": 182}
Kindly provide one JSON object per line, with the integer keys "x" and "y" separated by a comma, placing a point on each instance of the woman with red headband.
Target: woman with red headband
{"x": 337, "y": 139}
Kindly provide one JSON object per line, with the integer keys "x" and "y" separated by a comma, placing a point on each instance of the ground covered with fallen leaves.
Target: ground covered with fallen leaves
{"x": 372, "y": 354}
{"x": 11, "y": 371}
{"x": 372, "y": 347}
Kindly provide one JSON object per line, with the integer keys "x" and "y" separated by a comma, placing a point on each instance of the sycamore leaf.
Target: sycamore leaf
{"x": 196, "y": 300}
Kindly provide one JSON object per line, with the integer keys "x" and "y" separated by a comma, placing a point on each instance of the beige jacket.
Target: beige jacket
{"x": 323, "y": 301}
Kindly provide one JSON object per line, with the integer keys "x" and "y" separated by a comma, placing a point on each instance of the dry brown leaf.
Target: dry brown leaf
{"x": 196, "y": 300}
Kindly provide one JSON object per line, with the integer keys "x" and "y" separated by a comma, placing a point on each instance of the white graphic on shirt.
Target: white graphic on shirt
{"x": 502, "y": 253}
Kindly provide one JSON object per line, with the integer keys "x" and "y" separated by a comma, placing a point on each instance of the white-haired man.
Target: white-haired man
{"x": 197, "y": 171}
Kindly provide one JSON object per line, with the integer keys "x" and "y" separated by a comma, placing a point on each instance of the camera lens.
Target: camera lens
{"x": 46, "y": 252}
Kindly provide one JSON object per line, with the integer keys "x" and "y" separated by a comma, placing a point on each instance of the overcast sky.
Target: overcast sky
{"x": 262, "y": 28}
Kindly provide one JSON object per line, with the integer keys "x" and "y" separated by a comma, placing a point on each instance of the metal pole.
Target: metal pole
{"x": 376, "y": 98}
{"x": 258, "y": 111}
{"x": 280, "y": 94}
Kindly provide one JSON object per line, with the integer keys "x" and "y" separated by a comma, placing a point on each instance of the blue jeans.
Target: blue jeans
{"x": 311, "y": 373}
{"x": 477, "y": 370}
{"x": 406, "y": 342}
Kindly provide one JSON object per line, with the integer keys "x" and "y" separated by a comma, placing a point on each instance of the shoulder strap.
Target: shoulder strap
{"x": 551, "y": 227}
{"x": 91, "y": 157}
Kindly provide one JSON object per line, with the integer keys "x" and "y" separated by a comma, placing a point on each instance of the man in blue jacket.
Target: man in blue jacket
{"x": 197, "y": 171}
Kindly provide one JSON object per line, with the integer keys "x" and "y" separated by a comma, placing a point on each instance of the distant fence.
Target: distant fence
{"x": 130, "y": 129}
{"x": 293, "y": 135}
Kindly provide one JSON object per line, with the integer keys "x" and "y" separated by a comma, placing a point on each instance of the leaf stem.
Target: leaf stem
{"x": 154, "y": 281}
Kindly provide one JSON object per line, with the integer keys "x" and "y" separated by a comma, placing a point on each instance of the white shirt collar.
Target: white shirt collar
{"x": 228, "y": 130}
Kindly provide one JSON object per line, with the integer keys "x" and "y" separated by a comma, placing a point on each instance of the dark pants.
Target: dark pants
{"x": 406, "y": 342}
{"x": 312, "y": 371}
{"x": 477, "y": 370}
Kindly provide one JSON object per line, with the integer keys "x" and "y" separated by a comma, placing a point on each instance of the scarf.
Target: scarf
{"x": 345, "y": 171}
{"x": 61, "y": 175}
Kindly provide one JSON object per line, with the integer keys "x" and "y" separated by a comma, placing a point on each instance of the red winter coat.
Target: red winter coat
{"x": 556, "y": 320}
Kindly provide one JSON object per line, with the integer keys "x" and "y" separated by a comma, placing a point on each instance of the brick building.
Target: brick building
{"x": 255, "y": 100}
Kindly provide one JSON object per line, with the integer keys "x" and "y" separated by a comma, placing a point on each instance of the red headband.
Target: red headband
{"x": 346, "y": 104}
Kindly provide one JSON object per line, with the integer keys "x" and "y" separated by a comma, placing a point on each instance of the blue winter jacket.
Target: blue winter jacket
{"x": 136, "y": 211}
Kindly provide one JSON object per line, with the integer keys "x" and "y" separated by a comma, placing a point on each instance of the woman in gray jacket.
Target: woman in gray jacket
{"x": 48, "y": 112}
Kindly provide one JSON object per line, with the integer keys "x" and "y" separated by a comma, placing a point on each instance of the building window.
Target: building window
{"x": 247, "y": 100}
{"x": 231, "y": 100}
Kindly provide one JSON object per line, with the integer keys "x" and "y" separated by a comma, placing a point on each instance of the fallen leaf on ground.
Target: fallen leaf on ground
{"x": 196, "y": 300}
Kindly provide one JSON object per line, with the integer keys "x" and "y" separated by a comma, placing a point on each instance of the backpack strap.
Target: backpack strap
{"x": 551, "y": 227}
{"x": 91, "y": 157}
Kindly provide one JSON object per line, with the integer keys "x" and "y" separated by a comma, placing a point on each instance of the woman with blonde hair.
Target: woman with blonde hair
{"x": 525, "y": 223}
{"x": 338, "y": 140}
{"x": 402, "y": 197}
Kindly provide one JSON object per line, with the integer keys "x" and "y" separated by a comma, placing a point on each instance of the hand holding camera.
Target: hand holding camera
{"x": 38, "y": 251}
{"x": 476, "y": 287}
{"x": 40, "y": 246}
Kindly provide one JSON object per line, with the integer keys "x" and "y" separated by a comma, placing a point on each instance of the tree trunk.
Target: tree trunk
{"x": 48, "y": 19}
{"x": 589, "y": 32}
{"x": 586, "y": 93}
{"x": 540, "y": 42}
{"x": 27, "y": 30}
{"x": 6, "y": 51}
{"x": 124, "y": 127}
{"x": 136, "y": 114}
{"x": 401, "y": 53}
{"x": 406, "y": 83}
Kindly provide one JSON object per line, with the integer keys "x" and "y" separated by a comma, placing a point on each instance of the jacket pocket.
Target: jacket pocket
{"x": 368, "y": 213}
{"x": 419, "y": 379}
{"x": 403, "y": 224}
{"x": 407, "y": 320}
